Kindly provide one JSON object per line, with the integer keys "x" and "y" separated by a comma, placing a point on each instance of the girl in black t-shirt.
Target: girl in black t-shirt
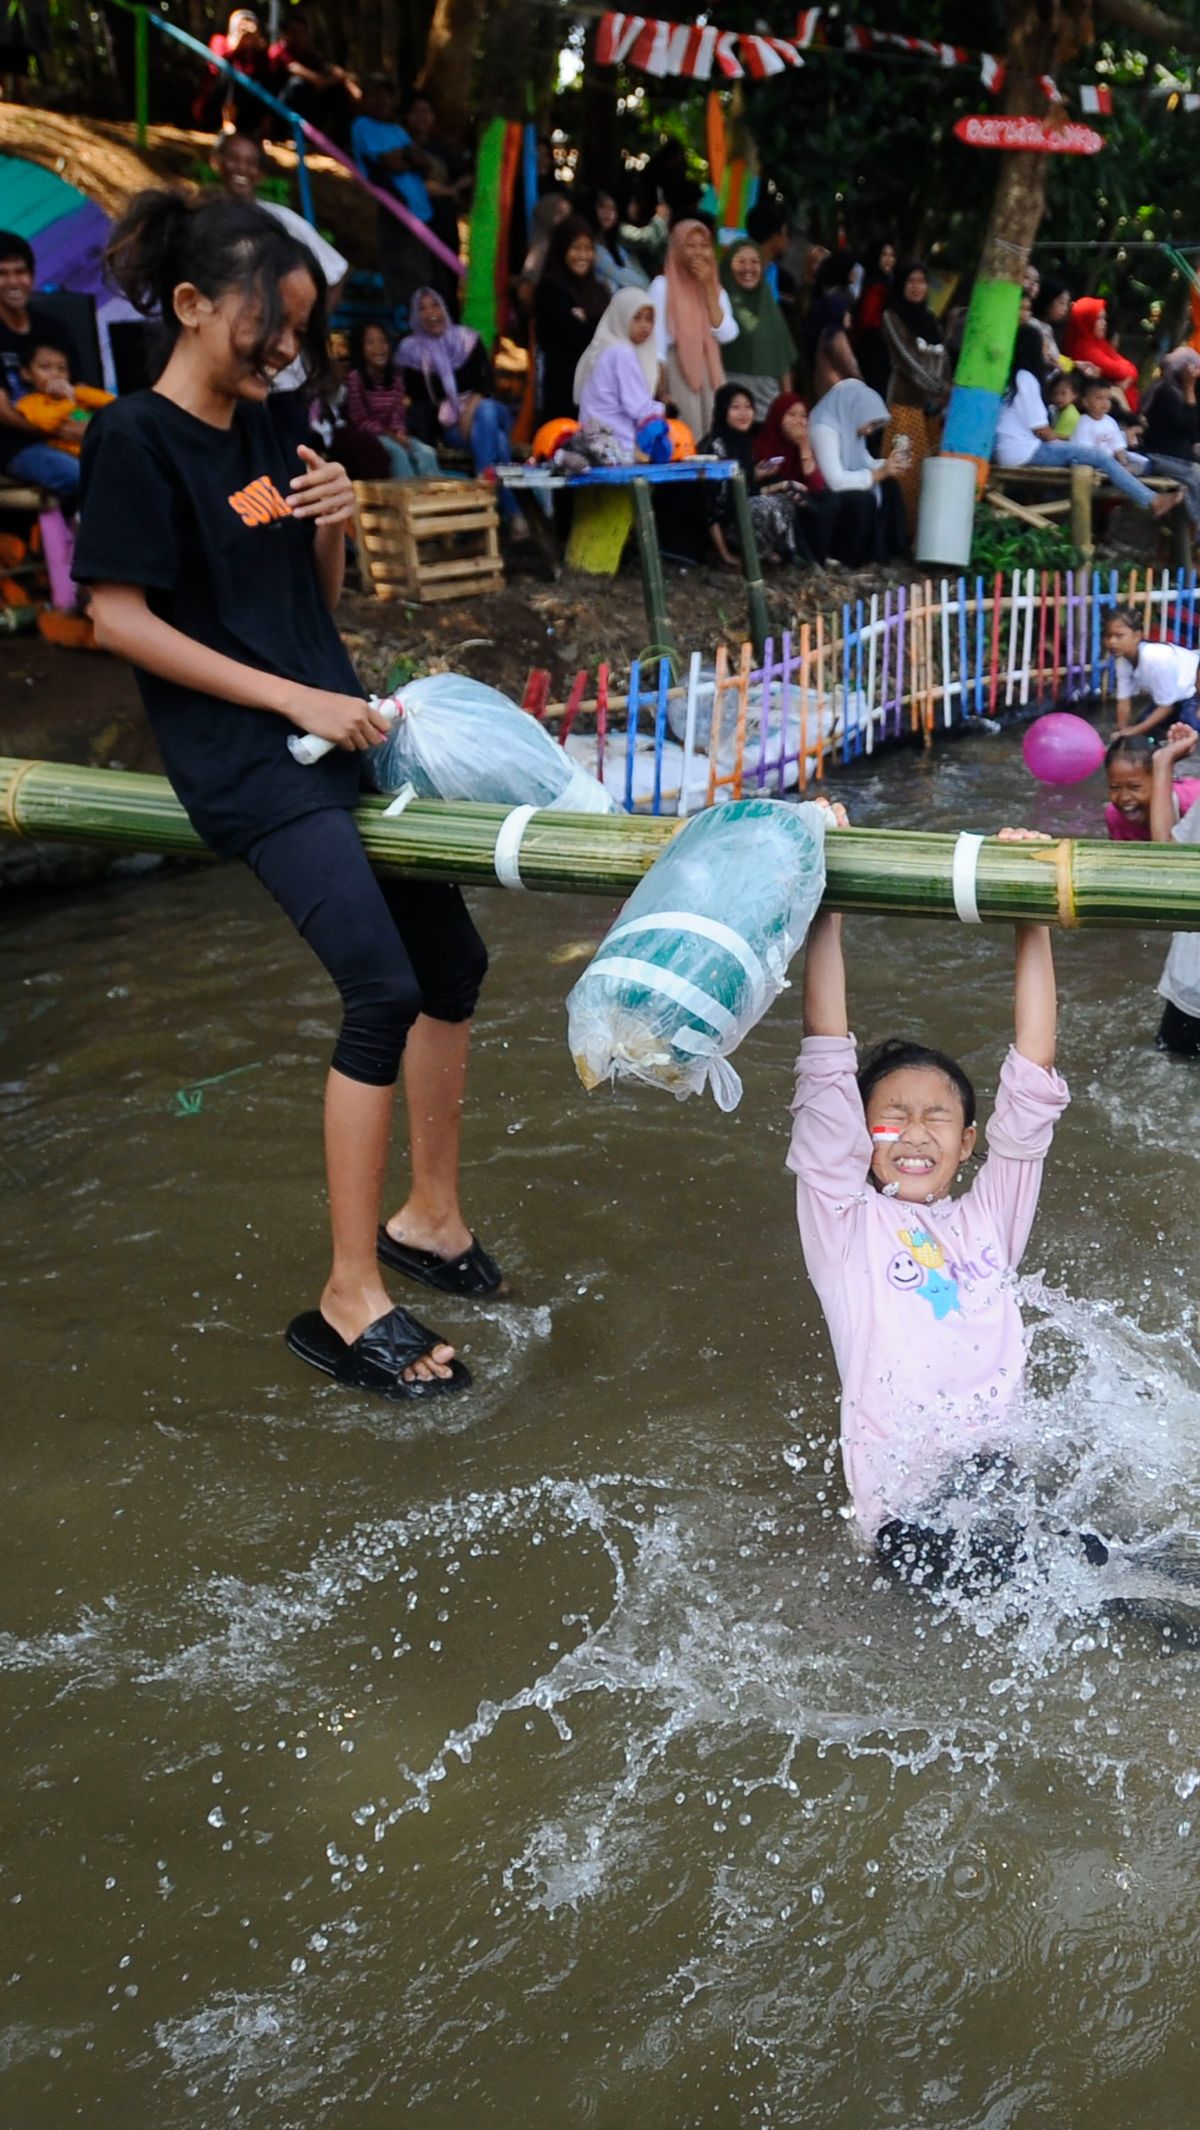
{"x": 215, "y": 553}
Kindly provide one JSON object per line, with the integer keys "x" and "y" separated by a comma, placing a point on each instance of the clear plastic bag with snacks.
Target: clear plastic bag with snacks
{"x": 456, "y": 738}
{"x": 700, "y": 950}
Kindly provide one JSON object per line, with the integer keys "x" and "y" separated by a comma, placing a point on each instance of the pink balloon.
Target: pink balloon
{"x": 1062, "y": 749}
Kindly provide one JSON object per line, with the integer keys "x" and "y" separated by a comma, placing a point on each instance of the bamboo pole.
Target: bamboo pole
{"x": 891, "y": 871}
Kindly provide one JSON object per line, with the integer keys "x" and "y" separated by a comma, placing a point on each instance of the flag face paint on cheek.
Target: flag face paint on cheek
{"x": 885, "y": 1134}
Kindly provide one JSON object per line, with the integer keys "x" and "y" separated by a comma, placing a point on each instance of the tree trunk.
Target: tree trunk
{"x": 445, "y": 74}
{"x": 599, "y": 124}
{"x": 1039, "y": 37}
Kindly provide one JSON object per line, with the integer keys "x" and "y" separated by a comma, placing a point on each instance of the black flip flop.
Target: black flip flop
{"x": 377, "y": 1359}
{"x": 472, "y": 1274}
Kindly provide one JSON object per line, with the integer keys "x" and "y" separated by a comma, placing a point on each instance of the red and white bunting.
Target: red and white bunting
{"x": 687, "y": 50}
{"x": 695, "y": 52}
{"x": 1096, "y": 99}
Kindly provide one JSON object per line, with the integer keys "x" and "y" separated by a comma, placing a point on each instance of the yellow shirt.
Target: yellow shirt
{"x": 42, "y": 411}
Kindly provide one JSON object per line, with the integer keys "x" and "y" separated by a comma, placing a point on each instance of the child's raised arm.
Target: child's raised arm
{"x": 1181, "y": 740}
{"x": 825, "y": 1011}
{"x": 1035, "y": 999}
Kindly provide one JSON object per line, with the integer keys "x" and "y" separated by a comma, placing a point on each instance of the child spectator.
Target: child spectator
{"x": 59, "y": 409}
{"x": 1062, "y": 395}
{"x": 1135, "y": 769}
{"x": 615, "y": 378}
{"x": 377, "y": 405}
{"x": 24, "y": 452}
{"x": 1179, "y": 984}
{"x": 772, "y": 510}
{"x": 1166, "y": 672}
{"x": 448, "y": 379}
{"x": 1096, "y": 426}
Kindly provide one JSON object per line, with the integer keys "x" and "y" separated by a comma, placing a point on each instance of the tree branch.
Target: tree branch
{"x": 1153, "y": 22}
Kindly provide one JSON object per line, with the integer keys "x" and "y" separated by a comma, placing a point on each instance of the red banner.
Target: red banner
{"x": 1034, "y": 134}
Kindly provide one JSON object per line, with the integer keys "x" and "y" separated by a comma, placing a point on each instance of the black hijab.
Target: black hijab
{"x": 586, "y": 291}
{"x": 732, "y": 443}
{"x": 917, "y": 317}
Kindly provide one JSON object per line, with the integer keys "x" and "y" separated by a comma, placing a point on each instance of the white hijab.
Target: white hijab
{"x": 849, "y": 406}
{"x": 613, "y": 332}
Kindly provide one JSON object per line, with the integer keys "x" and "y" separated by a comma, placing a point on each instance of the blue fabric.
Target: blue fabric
{"x": 410, "y": 460}
{"x": 490, "y": 444}
{"x": 1072, "y": 454}
{"x": 49, "y": 468}
{"x": 373, "y": 137}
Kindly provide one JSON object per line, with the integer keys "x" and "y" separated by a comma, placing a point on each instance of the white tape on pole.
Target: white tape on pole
{"x": 507, "y": 854}
{"x": 964, "y": 875}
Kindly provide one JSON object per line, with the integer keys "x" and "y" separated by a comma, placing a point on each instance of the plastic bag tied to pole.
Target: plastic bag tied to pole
{"x": 700, "y": 950}
{"x": 456, "y": 738}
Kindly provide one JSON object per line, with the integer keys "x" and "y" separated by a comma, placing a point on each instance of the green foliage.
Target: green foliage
{"x": 1005, "y": 544}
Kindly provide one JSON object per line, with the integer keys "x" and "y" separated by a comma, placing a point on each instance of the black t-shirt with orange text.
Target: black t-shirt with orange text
{"x": 198, "y": 517}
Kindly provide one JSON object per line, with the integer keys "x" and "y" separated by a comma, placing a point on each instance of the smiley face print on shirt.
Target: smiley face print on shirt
{"x": 920, "y": 1268}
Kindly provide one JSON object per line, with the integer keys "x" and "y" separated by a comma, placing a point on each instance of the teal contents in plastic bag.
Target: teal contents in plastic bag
{"x": 456, "y": 738}
{"x": 700, "y": 950}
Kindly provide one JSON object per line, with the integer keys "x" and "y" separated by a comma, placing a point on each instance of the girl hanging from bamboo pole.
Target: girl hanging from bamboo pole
{"x": 215, "y": 555}
{"x": 917, "y": 1286}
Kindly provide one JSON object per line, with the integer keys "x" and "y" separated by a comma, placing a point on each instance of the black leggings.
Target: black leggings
{"x": 979, "y": 1553}
{"x": 394, "y": 948}
{"x": 1178, "y": 1031}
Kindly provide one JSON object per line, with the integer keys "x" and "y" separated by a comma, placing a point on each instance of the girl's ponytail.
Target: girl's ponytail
{"x": 144, "y": 254}
{"x": 218, "y": 245}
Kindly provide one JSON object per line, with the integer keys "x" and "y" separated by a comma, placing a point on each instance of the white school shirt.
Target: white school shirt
{"x": 727, "y": 330}
{"x": 1106, "y": 435}
{"x": 331, "y": 263}
{"x": 1166, "y": 672}
{"x": 1180, "y": 980}
{"x": 1020, "y": 417}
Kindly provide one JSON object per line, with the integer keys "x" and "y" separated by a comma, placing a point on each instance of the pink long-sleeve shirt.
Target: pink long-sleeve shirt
{"x": 919, "y": 1300}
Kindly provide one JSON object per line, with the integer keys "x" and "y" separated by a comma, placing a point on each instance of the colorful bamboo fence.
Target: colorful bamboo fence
{"x": 908, "y": 663}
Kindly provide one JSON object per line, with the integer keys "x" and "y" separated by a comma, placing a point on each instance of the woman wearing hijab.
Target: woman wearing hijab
{"x": 783, "y": 453}
{"x": 448, "y": 379}
{"x": 866, "y": 338}
{"x": 771, "y": 514}
{"x": 840, "y": 425}
{"x": 568, "y": 305}
{"x": 1024, "y": 436}
{"x": 616, "y": 375}
{"x": 919, "y": 384}
{"x": 1086, "y": 341}
{"x": 762, "y": 356}
{"x": 692, "y": 321}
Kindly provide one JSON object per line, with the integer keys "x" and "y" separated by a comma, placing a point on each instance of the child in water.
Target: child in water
{"x": 1138, "y": 770}
{"x": 917, "y": 1289}
{"x": 917, "y": 1286}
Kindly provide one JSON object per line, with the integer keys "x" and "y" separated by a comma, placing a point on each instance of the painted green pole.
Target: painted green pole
{"x": 141, "y": 73}
{"x": 654, "y": 591}
{"x": 981, "y": 378}
{"x": 479, "y": 301}
{"x": 756, "y": 595}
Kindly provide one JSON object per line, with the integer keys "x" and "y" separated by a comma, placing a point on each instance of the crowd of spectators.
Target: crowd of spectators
{"x": 640, "y": 329}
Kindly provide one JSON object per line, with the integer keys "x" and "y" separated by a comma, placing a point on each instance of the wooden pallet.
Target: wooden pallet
{"x": 428, "y": 540}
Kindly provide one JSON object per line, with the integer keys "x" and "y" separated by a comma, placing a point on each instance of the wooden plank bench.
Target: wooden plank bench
{"x": 1044, "y": 493}
{"x": 427, "y": 540}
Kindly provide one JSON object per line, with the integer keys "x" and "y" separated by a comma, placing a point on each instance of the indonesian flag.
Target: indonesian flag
{"x": 992, "y": 72}
{"x": 1095, "y": 99}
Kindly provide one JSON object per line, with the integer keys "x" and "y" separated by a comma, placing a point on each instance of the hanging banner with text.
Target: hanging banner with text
{"x": 1036, "y": 135}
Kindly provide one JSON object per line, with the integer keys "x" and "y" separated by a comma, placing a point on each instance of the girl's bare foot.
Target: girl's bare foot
{"x": 1170, "y": 500}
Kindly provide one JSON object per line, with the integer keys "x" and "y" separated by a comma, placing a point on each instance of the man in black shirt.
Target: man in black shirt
{"x": 24, "y": 453}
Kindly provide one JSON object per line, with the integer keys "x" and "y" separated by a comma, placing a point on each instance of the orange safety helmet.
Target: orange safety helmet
{"x": 551, "y": 435}
{"x": 683, "y": 443}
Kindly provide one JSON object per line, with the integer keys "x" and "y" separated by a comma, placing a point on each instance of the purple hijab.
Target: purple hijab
{"x": 436, "y": 354}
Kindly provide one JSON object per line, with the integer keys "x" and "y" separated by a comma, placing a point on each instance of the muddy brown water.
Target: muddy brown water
{"x": 552, "y": 1755}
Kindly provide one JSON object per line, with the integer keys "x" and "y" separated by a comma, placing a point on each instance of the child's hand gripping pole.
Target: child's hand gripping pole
{"x": 307, "y": 748}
